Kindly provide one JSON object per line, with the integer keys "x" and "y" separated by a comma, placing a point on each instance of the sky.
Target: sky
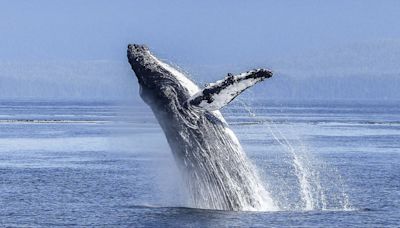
{"x": 76, "y": 49}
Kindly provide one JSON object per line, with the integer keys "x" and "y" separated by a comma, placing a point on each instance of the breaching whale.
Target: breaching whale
{"x": 214, "y": 166}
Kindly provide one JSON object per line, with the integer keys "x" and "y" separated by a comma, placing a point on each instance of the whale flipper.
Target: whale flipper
{"x": 217, "y": 95}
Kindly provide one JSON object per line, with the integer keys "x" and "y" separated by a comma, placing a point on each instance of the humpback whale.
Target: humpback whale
{"x": 215, "y": 168}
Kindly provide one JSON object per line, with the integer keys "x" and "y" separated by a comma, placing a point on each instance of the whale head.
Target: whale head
{"x": 163, "y": 86}
{"x": 159, "y": 82}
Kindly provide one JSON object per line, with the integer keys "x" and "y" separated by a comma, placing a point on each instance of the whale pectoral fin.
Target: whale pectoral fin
{"x": 217, "y": 95}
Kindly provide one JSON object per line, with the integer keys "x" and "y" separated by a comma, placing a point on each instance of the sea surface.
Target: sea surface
{"x": 325, "y": 164}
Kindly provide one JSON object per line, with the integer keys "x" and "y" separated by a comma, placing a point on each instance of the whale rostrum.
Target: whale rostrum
{"x": 217, "y": 172}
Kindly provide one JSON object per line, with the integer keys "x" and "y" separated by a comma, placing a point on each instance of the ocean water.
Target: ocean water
{"x": 105, "y": 164}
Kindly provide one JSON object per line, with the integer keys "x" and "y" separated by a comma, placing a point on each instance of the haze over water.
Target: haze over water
{"x": 318, "y": 50}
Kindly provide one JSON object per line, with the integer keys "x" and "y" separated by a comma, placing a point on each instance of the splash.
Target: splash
{"x": 305, "y": 183}
{"x": 218, "y": 174}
